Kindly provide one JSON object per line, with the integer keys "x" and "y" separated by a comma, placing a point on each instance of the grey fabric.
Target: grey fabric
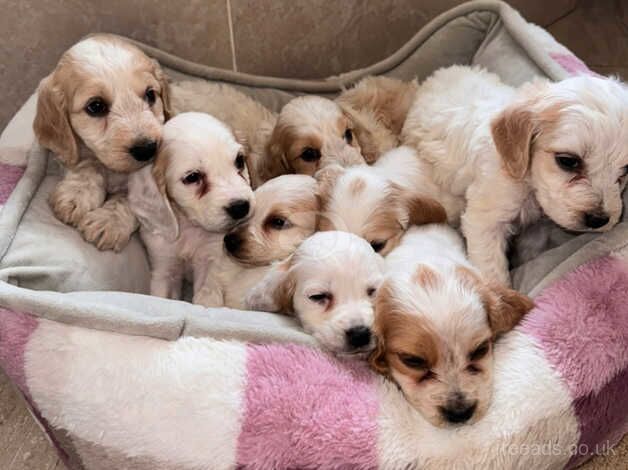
{"x": 48, "y": 270}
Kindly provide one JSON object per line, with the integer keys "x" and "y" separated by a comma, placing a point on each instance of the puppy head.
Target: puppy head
{"x": 329, "y": 283}
{"x": 110, "y": 97}
{"x": 286, "y": 212}
{"x": 201, "y": 169}
{"x": 435, "y": 332}
{"x": 359, "y": 201}
{"x": 311, "y": 132}
{"x": 570, "y": 140}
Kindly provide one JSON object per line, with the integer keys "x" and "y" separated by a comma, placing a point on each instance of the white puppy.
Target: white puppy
{"x": 101, "y": 112}
{"x": 436, "y": 320}
{"x": 511, "y": 155}
{"x": 380, "y": 202}
{"x": 329, "y": 283}
{"x": 198, "y": 190}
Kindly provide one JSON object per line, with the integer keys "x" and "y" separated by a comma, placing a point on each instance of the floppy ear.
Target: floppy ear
{"x": 275, "y": 291}
{"x": 52, "y": 124}
{"x": 367, "y": 141}
{"x": 149, "y": 202}
{"x": 165, "y": 89}
{"x": 425, "y": 210}
{"x": 377, "y": 358}
{"x": 513, "y": 130}
{"x": 273, "y": 163}
{"x": 506, "y": 308}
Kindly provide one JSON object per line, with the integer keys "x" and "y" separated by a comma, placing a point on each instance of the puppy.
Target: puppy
{"x": 250, "y": 121}
{"x": 312, "y": 132}
{"x": 101, "y": 112}
{"x": 286, "y": 210}
{"x": 380, "y": 202}
{"x": 196, "y": 191}
{"x": 511, "y": 155}
{"x": 436, "y": 319}
{"x": 329, "y": 283}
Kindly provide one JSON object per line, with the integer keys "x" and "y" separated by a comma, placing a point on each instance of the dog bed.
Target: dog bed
{"x": 119, "y": 379}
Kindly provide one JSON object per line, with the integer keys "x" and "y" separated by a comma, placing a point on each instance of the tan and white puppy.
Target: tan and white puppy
{"x": 436, "y": 319}
{"x": 196, "y": 191}
{"x": 101, "y": 112}
{"x": 510, "y": 155}
{"x": 313, "y": 132}
{"x": 380, "y": 202}
{"x": 329, "y": 283}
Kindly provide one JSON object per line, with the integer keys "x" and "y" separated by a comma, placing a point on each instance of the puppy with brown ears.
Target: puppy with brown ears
{"x": 313, "y": 132}
{"x": 436, "y": 319}
{"x": 101, "y": 112}
{"x": 329, "y": 283}
{"x": 511, "y": 155}
{"x": 197, "y": 190}
{"x": 380, "y": 202}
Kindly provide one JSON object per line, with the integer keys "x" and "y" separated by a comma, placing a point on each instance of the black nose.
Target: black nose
{"x": 358, "y": 336}
{"x": 458, "y": 412}
{"x": 594, "y": 220}
{"x": 143, "y": 150}
{"x": 232, "y": 242}
{"x": 238, "y": 209}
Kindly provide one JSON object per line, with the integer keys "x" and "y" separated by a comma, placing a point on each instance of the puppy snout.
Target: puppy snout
{"x": 595, "y": 219}
{"x": 143, "y": 150}
{"x": 232, "y": 242}
{"x": 238, "y": 209}
{"x": 358, "y": 336}
{"x": 458, "y": 410}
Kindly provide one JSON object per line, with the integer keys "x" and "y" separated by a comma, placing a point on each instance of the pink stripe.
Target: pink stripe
{"x": 572, "y": 64}
{"x": 9, "y": 176}
{"x": 581, "y": 322}
{"x": 15, "y": 331}
{"x": 305, "y": 409}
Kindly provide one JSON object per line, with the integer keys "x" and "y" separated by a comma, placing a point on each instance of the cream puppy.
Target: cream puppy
{"x": 380, "y": 202}
{"x": 510, "y": 155}
{"x": 101, "y": 112}
{"x": 436, "y": 319}
{"x": 329, "y": 284}
{"x": 196, "y": 191}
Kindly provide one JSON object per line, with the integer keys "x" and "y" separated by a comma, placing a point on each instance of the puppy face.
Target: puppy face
{"x": 330, "y": 283}
{"x": 286, "y": 211}
{"x": 571, "y": 140}
{"x": 435, "y": 335}
{"x": 201, "y": 169}
{"x": 311, "y": 132}
{"x": 358, "y": 201}
{"x": 108, "y": 96}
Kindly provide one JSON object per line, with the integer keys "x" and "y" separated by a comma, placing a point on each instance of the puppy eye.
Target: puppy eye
{"x": 568, "y": 162}
{"x": 277, "y": 223}
{"x": 310, "y": 155}
{"x": 348, "y": 135}
{"x": 96, "y": 107}
{"x": 239, "y": 162}
{"x": 479, "y": 352}
{"x": 192, "y": 178}
{"x": 414, "y": 362}
{"x": 322, "y": 298}
{"x": 371, "y": 291}
{"x": 378, "y": 245}
{"x": 150, "y": 96}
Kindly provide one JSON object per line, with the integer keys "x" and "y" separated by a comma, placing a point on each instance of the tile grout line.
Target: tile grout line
{"x": 234, "y": 63}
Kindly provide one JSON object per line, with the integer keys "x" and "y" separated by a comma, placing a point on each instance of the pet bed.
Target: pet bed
{"x": 124, "y": 380}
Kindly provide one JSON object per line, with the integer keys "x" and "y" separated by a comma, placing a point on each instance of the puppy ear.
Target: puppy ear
{"x": 425, "y": 210}
{"x": 273, "y": 163}
{"x": 52, "y": 124}
{"x": 513, "y": 130}
{"x": 165, "y": 89}
{"x": 377, "y": 358}
{"x": 506, "y": 308}
{"x": 149, "y": 202}
{"x": 275, "y": 291}
{"x": 366, "y": 140}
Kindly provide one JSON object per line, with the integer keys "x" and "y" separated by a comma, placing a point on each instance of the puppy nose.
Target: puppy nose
{"x": 358, "y": 336}
{"x": 238, "y": 209}
{"x": 143, "y": 150}
{"x": 232, "y": 242}
{"x": 458, "y": 412}
{"x": 595, "y": 220}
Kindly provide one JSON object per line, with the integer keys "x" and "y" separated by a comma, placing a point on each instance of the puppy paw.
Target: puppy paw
{"x": 109, "y": 227}
{"x": 71, "y": 202}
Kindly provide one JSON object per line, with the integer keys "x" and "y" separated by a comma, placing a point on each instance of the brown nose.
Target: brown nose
{"x": 232, "y": 242}
{"x": 143, "y": 150}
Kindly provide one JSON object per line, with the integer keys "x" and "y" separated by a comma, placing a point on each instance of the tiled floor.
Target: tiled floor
{"x": 597, "y": 31}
